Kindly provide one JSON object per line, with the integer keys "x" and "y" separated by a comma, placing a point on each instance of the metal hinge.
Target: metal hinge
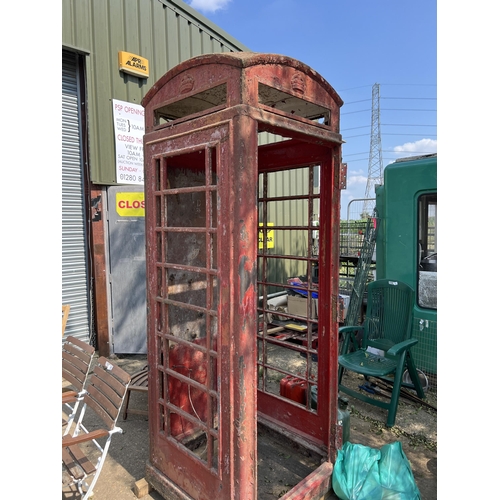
{"x": 343, "y": 176}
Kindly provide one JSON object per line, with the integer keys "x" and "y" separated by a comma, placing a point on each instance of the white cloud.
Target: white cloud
{"x": 424, "y": 146}
{"x": 356, "y": 178}
{"x": 356, "y": 187}
{"x": 208, "y": 5}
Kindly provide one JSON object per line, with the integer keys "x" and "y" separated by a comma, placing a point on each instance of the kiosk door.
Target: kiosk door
{"x": 194, "y": 222}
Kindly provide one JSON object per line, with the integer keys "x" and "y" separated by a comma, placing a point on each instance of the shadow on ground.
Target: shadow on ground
{"x": 416, "y": 429}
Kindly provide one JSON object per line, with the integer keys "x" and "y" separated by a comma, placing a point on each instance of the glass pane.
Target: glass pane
{"x": 186, "y": 209}
{"x": 427, "y": 251}
{"x": 186, "y": 248}
{"x": 186, "y": 286}
{"x": 186, "y": 324}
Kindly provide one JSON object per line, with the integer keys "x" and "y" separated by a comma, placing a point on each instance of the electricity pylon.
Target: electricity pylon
{"x": 375, "y": 165}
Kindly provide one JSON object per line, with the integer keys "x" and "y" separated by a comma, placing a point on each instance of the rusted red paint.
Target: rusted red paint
{"x": 97, "y": 267}
{"x": 202, "y": 163}
{"x": 313, "y": 486}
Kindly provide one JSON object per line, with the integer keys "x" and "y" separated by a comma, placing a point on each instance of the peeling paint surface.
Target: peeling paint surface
{"x": 202, "y": 163}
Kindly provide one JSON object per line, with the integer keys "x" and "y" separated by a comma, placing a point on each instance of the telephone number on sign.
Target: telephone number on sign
{"x": 130, "y": 177}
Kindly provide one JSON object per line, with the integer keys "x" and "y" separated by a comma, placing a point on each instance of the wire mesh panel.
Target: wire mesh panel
{"x": 354, "y": 233}
{"x": 360, "y": 208}
{"x": 424, "y": 353}
{"x": 186, "y": 302}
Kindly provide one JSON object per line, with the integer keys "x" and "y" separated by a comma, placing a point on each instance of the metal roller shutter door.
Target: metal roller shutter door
{"x": 75, "y": 276}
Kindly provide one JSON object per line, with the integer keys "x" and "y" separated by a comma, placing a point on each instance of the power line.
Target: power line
{"x": 355, "y": 102}
{"x": 354, "y": 88}
{"x": 392, "y": 85}
{"x": 353, "y": 136}
{"x": 414, "y": 135}
{"x": 390, "y": 151}
{"x": 377, "y": 109}
{"x": 411, "y": 98}
{"x": 399, "y": 153}
{"x": 402, "y": 125}
{"x": 410, "y": 84}
{"x": 409, "y": 135}
{"x": 359, "y": 111}
{"x": 354, "y": 128}
{"x": 399, "y": 98}
{"x": 356, "y": 154}
{"x": 401, "y": 109}
{"x": 387, "y": 109}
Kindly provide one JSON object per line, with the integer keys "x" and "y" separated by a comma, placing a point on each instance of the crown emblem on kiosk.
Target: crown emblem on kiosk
{"x": 298, "y": 83}
{"x": 187, "y": 84}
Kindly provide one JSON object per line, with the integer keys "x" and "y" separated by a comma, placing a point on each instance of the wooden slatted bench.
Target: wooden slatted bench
{"x": 76, "y": 364}
{"x": 139, "y": 383}
{"x": 65, "y": 314}
{"x": 84, "y": 452}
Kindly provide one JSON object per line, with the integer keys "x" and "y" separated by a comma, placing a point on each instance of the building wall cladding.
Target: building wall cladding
{"x": 166, "y": 32}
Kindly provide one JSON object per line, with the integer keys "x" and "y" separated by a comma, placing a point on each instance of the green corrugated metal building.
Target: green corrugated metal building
{"x": 94, "y": 32}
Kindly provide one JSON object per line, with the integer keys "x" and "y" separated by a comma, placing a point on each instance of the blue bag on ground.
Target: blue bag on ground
{"x": 364, "y": 473}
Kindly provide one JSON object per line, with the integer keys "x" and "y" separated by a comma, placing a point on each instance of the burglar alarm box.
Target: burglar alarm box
{"x": 242, "y": 190}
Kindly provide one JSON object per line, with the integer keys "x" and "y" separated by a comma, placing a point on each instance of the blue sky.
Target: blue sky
{"x": 408, "y": 47}
{"x": 353, "y": 45}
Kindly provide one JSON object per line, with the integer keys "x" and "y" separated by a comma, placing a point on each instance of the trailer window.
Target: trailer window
{"x": 427, "y": 251}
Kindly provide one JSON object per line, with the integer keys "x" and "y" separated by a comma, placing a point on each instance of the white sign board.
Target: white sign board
{"x": 129, "y": 131}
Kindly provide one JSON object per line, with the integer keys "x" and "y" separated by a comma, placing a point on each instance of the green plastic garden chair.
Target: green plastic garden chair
{"x": 381, "y": 347}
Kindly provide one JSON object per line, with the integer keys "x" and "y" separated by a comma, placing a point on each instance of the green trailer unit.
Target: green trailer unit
{"x": 407, "y": 245}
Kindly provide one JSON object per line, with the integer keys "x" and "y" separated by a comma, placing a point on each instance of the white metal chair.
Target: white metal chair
{"x": 76, "y": 360}
{"x": 84, "y": 452}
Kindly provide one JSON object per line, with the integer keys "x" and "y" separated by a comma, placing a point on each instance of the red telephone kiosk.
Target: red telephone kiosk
{"x": 243, "y": 174}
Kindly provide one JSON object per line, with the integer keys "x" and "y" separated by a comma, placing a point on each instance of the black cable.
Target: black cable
{"x": 412, "y": 98}
{"x": 401, "y": 125}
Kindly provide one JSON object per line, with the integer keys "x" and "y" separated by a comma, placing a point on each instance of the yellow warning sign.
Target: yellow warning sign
{"x": 130, "y": 204}
{"x": 269, "y": 236}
